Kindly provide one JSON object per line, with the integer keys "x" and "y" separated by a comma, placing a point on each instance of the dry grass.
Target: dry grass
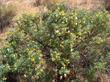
{"x": 22, "y": 6}
{"x": 85, "y": 4}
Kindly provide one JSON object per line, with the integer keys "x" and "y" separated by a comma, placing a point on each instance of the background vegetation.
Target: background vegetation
{"x": 7, "y": 13}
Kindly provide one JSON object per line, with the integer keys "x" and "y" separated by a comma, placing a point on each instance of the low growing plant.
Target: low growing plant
{"x": 59, "y": 46}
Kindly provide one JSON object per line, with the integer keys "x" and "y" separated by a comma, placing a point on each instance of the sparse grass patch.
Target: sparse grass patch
{"x": 7, "y": 12}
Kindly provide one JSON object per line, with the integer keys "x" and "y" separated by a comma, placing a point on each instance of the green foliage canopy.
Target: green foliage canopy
{"x": 58, "y": 45}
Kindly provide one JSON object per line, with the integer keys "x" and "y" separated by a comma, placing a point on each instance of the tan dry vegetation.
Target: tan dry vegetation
{"x": 21, "y": 7}
{"x": 86, "y": 4}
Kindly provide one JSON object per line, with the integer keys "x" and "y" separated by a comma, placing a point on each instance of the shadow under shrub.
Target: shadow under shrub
{"x": 7, "y": 12}
{"x": 59, "y": 46}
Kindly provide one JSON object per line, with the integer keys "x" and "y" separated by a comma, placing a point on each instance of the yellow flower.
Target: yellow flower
{"x": 61, "y": 45}
{"x": 33, "y": 59}
{"x": 62, "y": 13}
{"x": 42, "y": 61}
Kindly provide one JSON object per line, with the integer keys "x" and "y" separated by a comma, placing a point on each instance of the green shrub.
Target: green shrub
{"x": 6, "y": 14}
{"x": 60, "y": 46}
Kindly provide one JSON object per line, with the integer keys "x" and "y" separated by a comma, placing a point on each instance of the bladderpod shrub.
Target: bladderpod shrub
{"x": 59, "y": 46}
